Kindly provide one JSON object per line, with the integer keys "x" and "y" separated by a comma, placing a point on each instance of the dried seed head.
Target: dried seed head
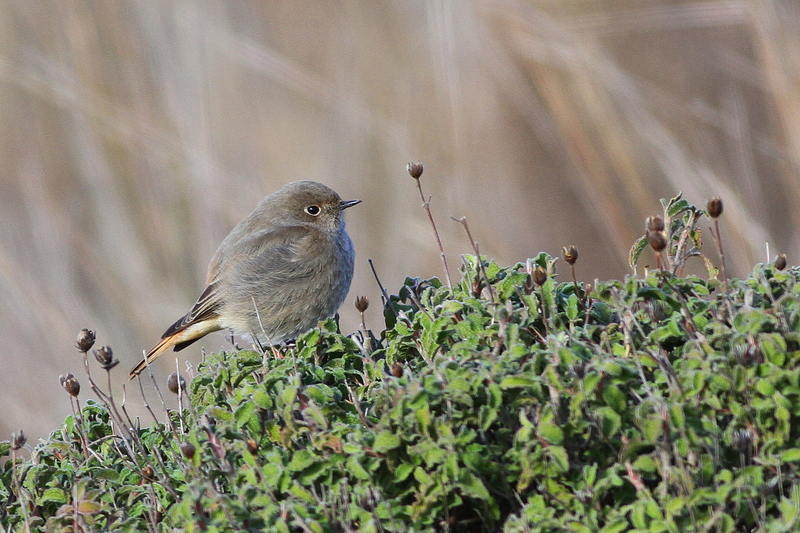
{"x": 176, "y": 383}
{"x": 70, "y": 384}
{"x": 105, "y": 356}
{"x": 85, "y": 340}
{"x": 656, "y": 310}
{"x": 747, "y": 354}
{"x": 362, "y": 303}
{"x": 780, "y": 262}
{"x": 252, "y": 446}
{"x": 148, "y": 474}
{"x": 654, "y": 223}
{"x": 657, "y": 240}
{"x": 743, "y": 440}
{"x": 18, "y": 440}
{"x": 397, "y": 370}
{"x": 570, "y": 254}
{"x": 585, "y": 496}
{"x": 188, "y": 449}
{"x": 415, "y": 169}
{"x": 539, "y": 276}
{"x": 714, "y": 207}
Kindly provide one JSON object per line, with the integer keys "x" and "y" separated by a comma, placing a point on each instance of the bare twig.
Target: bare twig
{"x": 415, "y": 169}
{"x": 715, "y": 209}
{"x": 383, "y": 290}
{"x": 481, "y": 268}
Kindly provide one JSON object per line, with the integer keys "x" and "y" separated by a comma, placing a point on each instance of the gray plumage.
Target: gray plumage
{"x": 281, "y": 270}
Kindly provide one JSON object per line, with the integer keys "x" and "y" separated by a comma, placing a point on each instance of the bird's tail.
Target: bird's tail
{"x": 179, "y": 339}
{"x": 165, "y": 344}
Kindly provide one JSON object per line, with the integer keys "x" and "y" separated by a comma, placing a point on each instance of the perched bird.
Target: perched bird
{"x": 281, "y": 270}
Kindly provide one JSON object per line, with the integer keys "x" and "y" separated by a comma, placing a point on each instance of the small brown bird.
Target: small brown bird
{"x": 281, "y": 270}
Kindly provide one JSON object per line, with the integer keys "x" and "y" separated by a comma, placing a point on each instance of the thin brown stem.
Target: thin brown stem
{"x": 381, "y": 287}
{"x": 481, "y": 268}
{"x": 718, "y": 241}
{"x": 427, "y": 205}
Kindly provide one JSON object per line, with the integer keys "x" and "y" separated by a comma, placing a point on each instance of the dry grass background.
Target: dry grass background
{"x": 134, "y": 135}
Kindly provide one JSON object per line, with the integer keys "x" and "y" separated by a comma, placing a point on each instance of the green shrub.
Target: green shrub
{"x": 513, "y": 403}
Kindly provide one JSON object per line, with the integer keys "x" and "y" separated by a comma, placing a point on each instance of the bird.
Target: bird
{"x": 279, "y": 272}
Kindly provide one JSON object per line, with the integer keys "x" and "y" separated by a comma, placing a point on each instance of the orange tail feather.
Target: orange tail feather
{"x": 165, "y": 344}
{"x": 184, "y": 336}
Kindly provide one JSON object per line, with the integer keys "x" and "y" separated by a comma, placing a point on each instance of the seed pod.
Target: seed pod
{"x": 654, "y": 223}
{"x": 657, "y": 240}
{"x": 18, "y": 440}
{"x": 570, "y": 254}
{"x": 397, "y": 370}
{"x": 539, "y": 276}
{"x": 362, "y": 303}
{"x": 252, "y": 446}
{"x": 70, "y": 384}
{"x": 743, "y": 440}
{"x": 714, "y": 207}
{"x": 176, "y": 383}
{"x": 85, "y": 340}
{"x": 148, "y": 474}
{"x": 105, "y": 356}
{"x": 188, "y": 449}
{"x": 780, "y": 262}
{"x": 415, "y": 169}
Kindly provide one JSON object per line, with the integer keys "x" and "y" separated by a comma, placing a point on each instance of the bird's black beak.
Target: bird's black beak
{"x": 344, "y": 204}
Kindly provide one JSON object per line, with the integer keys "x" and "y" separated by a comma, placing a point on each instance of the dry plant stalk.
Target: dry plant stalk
{"x": 415, "y": 170}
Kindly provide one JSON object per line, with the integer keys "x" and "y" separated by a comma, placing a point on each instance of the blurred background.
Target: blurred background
{"x": 135, "y": 135}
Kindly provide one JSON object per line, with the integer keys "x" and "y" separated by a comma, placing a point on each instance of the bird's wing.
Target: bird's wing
{"x": 265, "y": 253}
{"x": 205, "y": 308}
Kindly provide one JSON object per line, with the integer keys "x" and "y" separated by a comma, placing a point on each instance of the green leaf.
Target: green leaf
{"x": 651, "y": 292}
{"x": 718, "y": 382}
{"x": 773, "y": 346}
{"x": 572, "y": 309}
{"x": 355, "y": 468}
{"x": 676, "y": 416}
{"x": 301, "y": 459}
{"x": 403, "y": 471}
{"x": 790, "y": 512}
{"x": 610, "y": 421}
{"x": 422, "y": 476}
{"x": 486, "y": 416}
{"x": 548, "y": 429}
{"x": 108, "y": 474}
{"x": 560, "y": 458}
{"x": 638, "y": 516}
{"x": 299, "y": 491}
{"x": 220, "y": 414}
{"x": 515, "y": 382}
{"x": 53, "y": 495}
{"x": 644, "y": 463}
{"x": 636, "y": 250}
{"x": 676, "y": 206}
{"x": 88, "y": 507}
{"x": 617, "y": 525}
{"x": 790, "y": 455}
{"x": 614, "y": 397}
{"x": 765, "y": 387}
{"x": 653, "y": 509}
{"x": 652, "y": 428}
{"x": 472, "y": 486}
{"x": 385, "y": 441}
{"x": 244, "y": 413}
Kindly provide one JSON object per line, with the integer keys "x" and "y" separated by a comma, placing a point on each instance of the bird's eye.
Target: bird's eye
{"x": 313, "y": 210}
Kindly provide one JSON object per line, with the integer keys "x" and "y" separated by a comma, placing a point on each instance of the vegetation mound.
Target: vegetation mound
{"x": 512, "y": 403}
